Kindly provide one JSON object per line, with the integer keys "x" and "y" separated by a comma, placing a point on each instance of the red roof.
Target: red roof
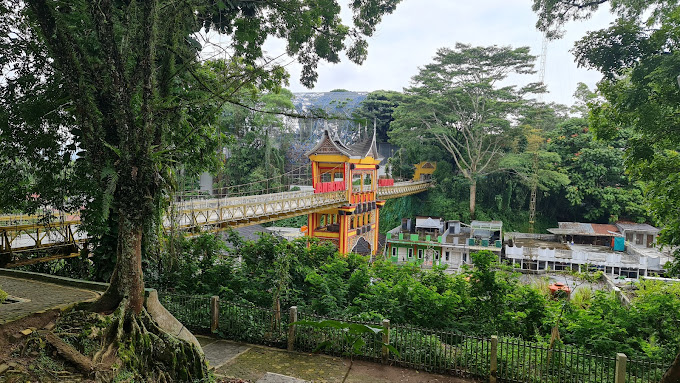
{"x": 604, "y": 229}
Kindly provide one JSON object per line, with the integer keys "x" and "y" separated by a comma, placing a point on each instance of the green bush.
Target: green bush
{"x": 3, "y": 295}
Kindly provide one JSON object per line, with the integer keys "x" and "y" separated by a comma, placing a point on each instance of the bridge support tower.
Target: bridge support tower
{"x": 353, "y": 169}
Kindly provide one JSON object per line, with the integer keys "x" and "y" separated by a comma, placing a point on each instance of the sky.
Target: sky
{"x": 409, "y": 38}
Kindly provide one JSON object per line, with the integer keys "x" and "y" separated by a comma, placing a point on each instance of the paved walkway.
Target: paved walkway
{"x": 253, "y": 363}
{"x": 37, "y": 296}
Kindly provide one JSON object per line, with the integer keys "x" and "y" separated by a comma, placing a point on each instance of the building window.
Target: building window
{"x": 394, "y": 251}
{"x": 420, "y": 253}
{"x": 436, "y": 255}
{"x": 410, "y": 253}
{"x": 464, "y": 257}
{"x": 447, "y": 256}
{"x": 356, "y": 182}
{"x": 638, "y": 239}
{"x": 368, "y": 182}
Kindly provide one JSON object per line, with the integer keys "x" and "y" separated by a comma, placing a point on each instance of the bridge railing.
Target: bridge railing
{"x": 45, "y": 217}
{"x": 327, "y": 187}
{"x": 247, "y": 210}
{"x": 400, "y": 189}
{"x": 386, "y": 182}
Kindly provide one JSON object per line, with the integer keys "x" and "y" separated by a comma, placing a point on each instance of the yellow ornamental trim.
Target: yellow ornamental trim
{"x": 329, "y": 158}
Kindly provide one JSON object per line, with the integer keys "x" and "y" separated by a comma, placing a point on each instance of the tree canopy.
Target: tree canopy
{"x": 639, "y": 59}
{"x": 120, "y": 86}
{"x": 458, "y": 103}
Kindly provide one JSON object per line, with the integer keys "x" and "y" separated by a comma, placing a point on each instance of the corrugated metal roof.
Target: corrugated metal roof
{"x": 632, "y": 226}
{"x": 586, "y": 229}
{"x": 428, "y": 223}
{"x": 576, "y": 228}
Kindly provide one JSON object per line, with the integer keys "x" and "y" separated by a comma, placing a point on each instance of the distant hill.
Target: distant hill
{"x": 336, "y": 104}
{"x": 342, "y": 103}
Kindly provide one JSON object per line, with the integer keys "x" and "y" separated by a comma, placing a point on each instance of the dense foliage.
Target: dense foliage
{"x": 599, "y": 190}
{"x": 639, "y": 60}
{"x": 485, "y": 299}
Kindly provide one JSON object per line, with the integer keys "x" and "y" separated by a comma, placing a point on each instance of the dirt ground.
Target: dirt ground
{"x": 21, "y": 363}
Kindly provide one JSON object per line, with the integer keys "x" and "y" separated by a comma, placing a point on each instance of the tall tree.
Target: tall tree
{"x": 378, "y": 108}
{"x": 639, "y": 59}
{"x": 120, "y": 83}
{"x": 457, "y": 102}
{"x": 599, "y": 191}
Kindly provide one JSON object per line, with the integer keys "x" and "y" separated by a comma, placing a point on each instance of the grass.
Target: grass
{"x": 543, "y": 285}
{"x": 582, "y": 297}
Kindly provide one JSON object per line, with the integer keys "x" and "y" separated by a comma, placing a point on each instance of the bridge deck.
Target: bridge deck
{"x": 28, "y": 234}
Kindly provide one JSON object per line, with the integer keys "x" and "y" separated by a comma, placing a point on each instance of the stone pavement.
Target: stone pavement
{"x": 37, "y": 296}
{"x": 253, "y": 363}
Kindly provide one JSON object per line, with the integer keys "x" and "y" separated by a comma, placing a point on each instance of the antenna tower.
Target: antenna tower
{"x": 534, "y": 176}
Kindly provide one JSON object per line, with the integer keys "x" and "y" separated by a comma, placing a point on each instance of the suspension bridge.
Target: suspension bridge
{"x": 29, "y": 239}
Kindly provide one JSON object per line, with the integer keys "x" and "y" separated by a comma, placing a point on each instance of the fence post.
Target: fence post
{"x": 493, "y": 355}
{"x": 214, "y": 312}
{"x": 620, "y": 376}
{"x": 291, "y": 328}
{"x": 385, "y": 340}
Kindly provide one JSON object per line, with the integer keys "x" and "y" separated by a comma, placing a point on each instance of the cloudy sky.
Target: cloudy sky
{"x": 409, "y": 38}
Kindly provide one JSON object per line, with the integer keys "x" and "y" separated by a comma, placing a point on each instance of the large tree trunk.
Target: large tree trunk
{"x": 134, "y": 339}
{"x": 672, "y": 375}
{"x": 473, "y": 197}
{"x": 126, "y": 281}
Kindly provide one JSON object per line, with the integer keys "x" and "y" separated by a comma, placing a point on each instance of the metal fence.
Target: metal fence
{"x": 309, "y": 338}
{"x": 522, "y": 361}
{"x": 253, "y": 324}
{"x": 499, "y": 359}
{"x": 440, "y": 351}
{"x": 192, "y": 310}
{"x": 644, "y": 371}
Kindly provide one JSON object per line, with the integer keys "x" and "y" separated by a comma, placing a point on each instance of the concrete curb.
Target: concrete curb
{"x": 623, "y": 298}
{"x": 64, "y": 281}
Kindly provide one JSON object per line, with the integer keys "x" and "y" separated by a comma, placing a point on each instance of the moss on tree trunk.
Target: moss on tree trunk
{"x": 133, "y": 337}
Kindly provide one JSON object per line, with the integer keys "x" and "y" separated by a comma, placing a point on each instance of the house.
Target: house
{"x": 585, "y": 233}
{"x": 435, "y": 241}
{"x": 638, "y": 234}
{"x": 576, "y": 245}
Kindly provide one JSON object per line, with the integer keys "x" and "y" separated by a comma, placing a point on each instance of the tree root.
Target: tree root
{"x": 144, "y": 349}
{"x": 69, "y": 353}
{"x": 672, "y": 375}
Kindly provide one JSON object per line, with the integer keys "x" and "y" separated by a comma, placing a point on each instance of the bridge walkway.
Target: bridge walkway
{"x": 61, "y": 237}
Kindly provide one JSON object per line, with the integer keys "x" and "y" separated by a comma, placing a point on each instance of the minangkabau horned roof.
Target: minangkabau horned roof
{"x": 332, "y": 145}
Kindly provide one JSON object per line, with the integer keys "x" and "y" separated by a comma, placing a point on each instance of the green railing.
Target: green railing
{"x": 499, "y": 359}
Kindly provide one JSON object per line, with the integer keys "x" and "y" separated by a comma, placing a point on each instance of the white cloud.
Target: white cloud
{"x": 409, "y": 38}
